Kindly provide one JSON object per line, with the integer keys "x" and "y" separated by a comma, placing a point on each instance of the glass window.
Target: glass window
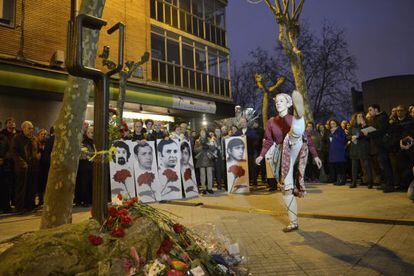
{"x": 212, "y": 64}
{"x": 152, "y": 9}
{"x": 198, "y": 8}
{"x": 185, "y": 5}
{"x": 188, "y": 58}
{"x": 200, "y": 60}
{"x": 7, "y": 12}
{"x": 219, "y": 15}
{"x": 209, "y": 11}
{"x": 157, "y": 47}
{"x": 173, "y": 52}
{"x": 223, "y": 67}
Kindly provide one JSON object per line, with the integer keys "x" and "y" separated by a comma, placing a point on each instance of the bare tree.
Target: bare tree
{"x": 57, "y": 208}
{"x": 287, "y": 14}
{"x": 328, "y": 66}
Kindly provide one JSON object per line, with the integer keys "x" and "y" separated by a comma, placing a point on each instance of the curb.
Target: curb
{"x": 302, "y": 215}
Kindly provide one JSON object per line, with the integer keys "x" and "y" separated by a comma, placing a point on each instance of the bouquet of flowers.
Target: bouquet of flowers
{"x": 181, "y": 251}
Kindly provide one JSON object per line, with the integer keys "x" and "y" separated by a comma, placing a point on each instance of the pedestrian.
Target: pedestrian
{"x": 378, "y": 143}
{"x": 24, "y": 151}
{"x": 359, "y": 150}
{"x": 43, "y": 169}
{"x": 205, "y": 154}
{"x": 83, "y": 188}
{"x": 337, "y": 142}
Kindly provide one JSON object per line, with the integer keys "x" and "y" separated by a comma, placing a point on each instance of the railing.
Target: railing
{"x": 178, "y": 76}
{"x": 188, "y": 22}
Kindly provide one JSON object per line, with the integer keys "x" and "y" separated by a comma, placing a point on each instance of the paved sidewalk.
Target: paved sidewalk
{"x": 320, "y": 247}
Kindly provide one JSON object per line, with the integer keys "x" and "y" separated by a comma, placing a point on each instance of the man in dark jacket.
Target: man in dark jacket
{"x": 8, "y": 178}
{"x": 24, "y": 152}
{"x": 378, "y": 141}
{"x": 4, "y": 185}
{"x": 251, "y": 139}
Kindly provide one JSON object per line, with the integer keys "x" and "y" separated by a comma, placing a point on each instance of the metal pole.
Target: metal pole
{"x": 100, "y": 183}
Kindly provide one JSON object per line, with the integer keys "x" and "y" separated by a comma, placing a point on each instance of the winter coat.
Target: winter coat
{"x": 360, "y": 149}
{"x": 24, "y": 152}
{"x": 205, "y": 153}
{"x": 337, "y": 142}
{"x": 380, "y": 139}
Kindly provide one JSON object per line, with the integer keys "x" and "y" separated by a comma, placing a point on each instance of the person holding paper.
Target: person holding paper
{"x": 359, "y": 151}
{"x": 378, "y": 144}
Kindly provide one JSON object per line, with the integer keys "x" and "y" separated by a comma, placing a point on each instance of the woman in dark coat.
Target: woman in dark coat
{"x": 205, "y": 149}
{"x": 337, "y": 142}
{"x": 359, "y": 149}
{"x": 83, "y": 188}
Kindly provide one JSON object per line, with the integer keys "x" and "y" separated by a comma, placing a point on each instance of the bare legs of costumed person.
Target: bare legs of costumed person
{"x": 295, "y": 141}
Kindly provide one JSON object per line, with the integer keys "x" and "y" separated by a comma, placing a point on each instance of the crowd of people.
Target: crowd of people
{"x": 371, "y": 149}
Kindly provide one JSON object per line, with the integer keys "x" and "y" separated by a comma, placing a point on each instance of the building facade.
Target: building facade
{"x": 387, "y": 92}
{"x": 187, "y": 75}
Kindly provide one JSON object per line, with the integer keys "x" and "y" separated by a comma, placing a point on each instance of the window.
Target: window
{"x": 202, "y": 18}
{"x": 173, "y": 52}
{"x": 182, "y": 62}
{"x": 157, "y": 47}
{"x": 7, "y": 12}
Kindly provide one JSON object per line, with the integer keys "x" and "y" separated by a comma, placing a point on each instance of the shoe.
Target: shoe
{"x": 203, "y": 192}
{"x": 272, "y": 189}
{"x": 290, "y": 228}
{"x": 380, "y": 188}
{"x": 388, "y": 190}
{"x": 210, "y": 191}
{"x": 370, "y": 186}
{"x": 352, "y": 186}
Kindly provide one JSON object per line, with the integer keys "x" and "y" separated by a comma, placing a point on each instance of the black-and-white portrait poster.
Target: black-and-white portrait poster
{"x": 237, "y": 165}
{"x": 122, "y": 171}
{"x": 187, "y": 170}
{"x": 146, "y": 171}
{"x": 169, "y": 173}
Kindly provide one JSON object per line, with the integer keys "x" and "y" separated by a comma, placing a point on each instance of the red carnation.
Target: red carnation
{"x": 146, "y": 178}
{"x": 122, "y": 212}
{"x": 126, "y": 221}
{"x": 121, "y": 176}
{"x": 187, "y": 174}
{"x": 119, "y": 196}
{"x": 174, "y": 272}
{"x": 165, "y": 246}
{"x": 237, "y": 171}
{"x": 178, "y": 228}
{"x": 95, "y": 240}
{"x": 135, "y": 199}
{"x": 171, "y": 175}
{"x": 112, "y": 212}
{"x": 118, "y": 232}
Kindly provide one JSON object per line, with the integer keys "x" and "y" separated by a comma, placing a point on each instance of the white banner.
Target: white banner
{"x": 169, "y": 173}
{"x": 237, "y": 165}
{"x": 146, "y": 171}
{"x": 187, "y": 170}
{"x": 193, "y": 104}
{"x": 122, "y": 172}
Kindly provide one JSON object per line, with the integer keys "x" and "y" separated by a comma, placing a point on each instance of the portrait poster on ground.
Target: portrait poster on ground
{"x": 237, "y": 165}
{"x": 169, "y": 173}
{"x": 187, "y": 170}
{"x": 147, "y": 183}
{"x": 122, "y": 171}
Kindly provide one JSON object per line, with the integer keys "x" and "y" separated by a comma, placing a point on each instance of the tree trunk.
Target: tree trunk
{"x": 57, "y": 208}
{"x": 121, "y": 96}
{"x": 265, "y": 107}
{"x": 300, "y": 83}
